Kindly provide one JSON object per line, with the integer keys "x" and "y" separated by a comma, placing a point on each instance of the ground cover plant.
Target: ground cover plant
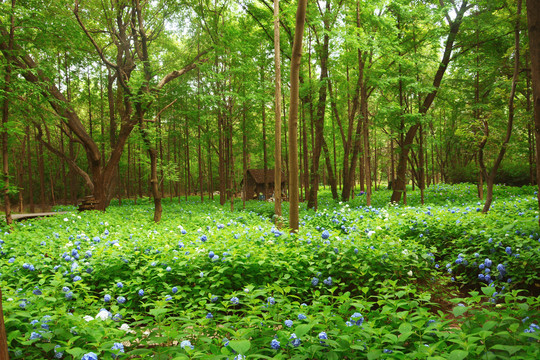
{"x": 436, "y": 281}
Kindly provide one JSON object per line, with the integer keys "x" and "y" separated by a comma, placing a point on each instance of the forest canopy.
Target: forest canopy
{"x": 163, "y": 98}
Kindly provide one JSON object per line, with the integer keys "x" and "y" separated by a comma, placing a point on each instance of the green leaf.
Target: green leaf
{"x": 459, "y": 310}
{"x": 157, "y": 312}
{"x": 405, "y": 328}
{"x": 458, "y": 355}
{"x": 489, "y": 325}
{"x": 488, "y": 290}
{"x": 240, "y": 346}
{"x": 393, "y": 338}
{"x": 302, "y": 330}
{"x": 374, "y": 354}
{"x": 510, "y": 349}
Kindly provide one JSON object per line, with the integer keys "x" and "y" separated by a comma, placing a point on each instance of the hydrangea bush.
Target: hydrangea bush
{"x": 441, "y": 280}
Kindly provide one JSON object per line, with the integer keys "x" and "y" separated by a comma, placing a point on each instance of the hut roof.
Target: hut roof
{"x": 259, "y": 176}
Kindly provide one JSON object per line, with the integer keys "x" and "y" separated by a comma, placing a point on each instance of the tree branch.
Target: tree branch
{"x": 177, "y": 73}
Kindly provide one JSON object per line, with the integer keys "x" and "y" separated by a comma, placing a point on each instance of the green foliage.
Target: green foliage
{"x": 355, "y": 282}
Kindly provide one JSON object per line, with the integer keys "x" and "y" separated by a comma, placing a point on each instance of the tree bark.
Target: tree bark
{"x": 293, "y": 115}
{"x": 277, "y": 167}
{"x": 4, "y": 355}
{"x": 533, "y": 18}
{"x": 5, "y": 145}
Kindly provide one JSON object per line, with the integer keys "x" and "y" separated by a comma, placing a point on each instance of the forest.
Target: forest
{"x": 255, "y": 179}
{"x": 114, "y": 98}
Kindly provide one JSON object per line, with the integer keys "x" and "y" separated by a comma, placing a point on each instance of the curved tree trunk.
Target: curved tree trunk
{"x": 399, "y": 182}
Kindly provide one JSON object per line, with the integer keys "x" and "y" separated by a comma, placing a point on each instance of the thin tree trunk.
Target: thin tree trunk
{"x": 277, "y": 168}
{"x": 490, "y": 177}
{"x": 5, "y": 146}
{"x": 41, "y": 170}
{"x": 533, "y": 18}
{"x": 30, "y": 171}
{"x": 265, "y": 156}
{"x": 293, "y": 115}
{"x": 4, "y": 355}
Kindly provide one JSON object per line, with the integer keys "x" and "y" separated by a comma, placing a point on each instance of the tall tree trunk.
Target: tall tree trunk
{"x": 399, "y": 185}
{"x": 41, "y": 170}
{"x": 4, "y": 355}
{"x": 5, "y": 147}
{"x": 30, "y": 171}
{"x": 305, "y": 154}
{"x": 533, "y": 18}
{"x": 244, "y": 154}
{"x": 277, "y": 168}
{"x": 321, "y": 110}
{"x": 490, "y": 177}
{"x": 265, "y": 156}
{"x": 293, "y": 115}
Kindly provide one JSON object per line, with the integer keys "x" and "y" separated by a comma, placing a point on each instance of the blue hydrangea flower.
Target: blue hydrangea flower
{"x": 35, "y": 335}
{"x": 295, "y": 340}
{"x": 37, "y": 292}
{"x": 168, "y": 298}
{"x": 508, "y": 250}
{"x": 186, "y": 343}
{"x": 107, "y": 298}
{"x": 204, "y": 238}
{"x": 274, "y": 344}
{"x": 58, "y": 354}
{"x": 77, "y": 278}
{"x": 69, "y": 295}
{"x": 121, "y": 299}
{"x": 234, "y": 300}
{"x": 271, "y": 301}
{"x": 314, "y": 281}
{"x": 120, "y": 285}
{"x": 211, "y": 254}
{"x": 387, "y": 351}
{"x": 488, "y": 263}
{"x": 328, "y": 281}
{"x": 209, "y": 316}
{"x": 141, "y": 292}
{"x": 325, "y": 234}
{"x": 174, "y": 290}
{"x": 225, "y": 342}
{"x": 357, "y": 319}
{"x": 288, "y": 323}
{"x": 118, "y": 348}
{"x": 301, "y": 317}
{"x": 89, "y": 356}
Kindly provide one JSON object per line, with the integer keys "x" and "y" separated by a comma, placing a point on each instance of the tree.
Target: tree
{"x": 5, "y": 119}
{"x": 405, "y": 146}
{"x": 293, "y": 115}
{"x": 277, "y": 111}
{"x": 135, "y": 92}
{"x": 490, "y": 176}
{"x": 533, "y": 18}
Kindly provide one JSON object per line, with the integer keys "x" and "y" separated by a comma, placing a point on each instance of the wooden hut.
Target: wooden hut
{"x": 256, "y": 178}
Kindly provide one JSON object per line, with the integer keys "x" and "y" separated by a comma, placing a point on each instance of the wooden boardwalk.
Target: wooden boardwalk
{"x": 19, "y": 217}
